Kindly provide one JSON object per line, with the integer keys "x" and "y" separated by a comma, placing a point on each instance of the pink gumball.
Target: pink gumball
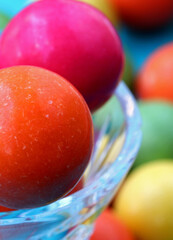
{"x": 70, "y": 38}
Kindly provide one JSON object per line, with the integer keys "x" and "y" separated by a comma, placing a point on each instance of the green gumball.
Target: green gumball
{"x": 128, "y": 72}
{"x": 157, "y": 130}
{"x": 4, "y": 19}
{"x": 111, "y": 111}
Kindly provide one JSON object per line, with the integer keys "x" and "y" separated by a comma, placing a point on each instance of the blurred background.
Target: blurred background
{"x": 143, "y": 208}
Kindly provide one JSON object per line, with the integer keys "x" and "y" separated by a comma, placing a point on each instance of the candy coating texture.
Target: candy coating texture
{"x": 70, "y": 38}
{"x": 46, "y": 136}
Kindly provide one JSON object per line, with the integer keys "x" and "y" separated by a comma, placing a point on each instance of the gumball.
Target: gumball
{"x": 145, "y": 200}
{"x": 111, "y": 108}
{"x": 70, "y": 38}
{"x": 106, "y": 7}
{"x": 46, "y": 137}
{"x": 155, "y": 79}
{"x": 157, "y": 132}
{"x": 78, "y": 187}
{"x": 108, "y": 227}
{"x": 128, "y": 72}
{"x": 4, "y": 19}
{"x": 145, "y": 14}
{"x": 5, "y": 209}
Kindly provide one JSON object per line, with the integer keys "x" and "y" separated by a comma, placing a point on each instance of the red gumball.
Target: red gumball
{"x": 46, "y": 137}
{"x": 70, "y": 38}
{"x": 109, "y": 227}
{"x": 145, "y": 14}
{"x": 78, "y": 187}
{"x": 5, "y": 209}
{"x": 155, "y": 79}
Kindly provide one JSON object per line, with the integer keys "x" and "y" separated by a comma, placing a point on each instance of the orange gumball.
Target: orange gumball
{"x": 145, "y": 14}
{"x": 5, "y": 209}
{"x": 46, "y": 137}
{"x": 109, "y": 227}
{"x": 155, "y": 80}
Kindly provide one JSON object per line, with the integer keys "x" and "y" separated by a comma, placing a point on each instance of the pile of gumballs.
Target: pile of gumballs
{"x": 60, "y": 62}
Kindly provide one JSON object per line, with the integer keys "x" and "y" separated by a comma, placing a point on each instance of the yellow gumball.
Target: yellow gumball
{"x": 110, "y": 157}
{"x": 145, "y": 201}
{"x": 106, "y": 7}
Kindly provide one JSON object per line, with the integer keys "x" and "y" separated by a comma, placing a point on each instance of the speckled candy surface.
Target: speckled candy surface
{"x": 46, "y": 136}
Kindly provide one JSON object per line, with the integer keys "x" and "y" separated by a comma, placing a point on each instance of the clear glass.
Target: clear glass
{"x": 72, "y": 217}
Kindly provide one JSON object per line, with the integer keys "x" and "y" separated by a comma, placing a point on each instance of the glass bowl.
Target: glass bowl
{"x": 117, "y": 141}
{"x": 72, "y": 217}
